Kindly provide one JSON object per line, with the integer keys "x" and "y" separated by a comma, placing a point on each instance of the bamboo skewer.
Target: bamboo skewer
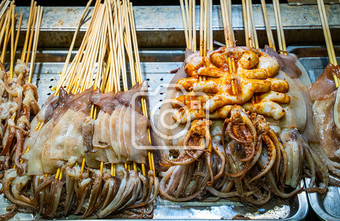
{"x": 4, "y": 25}
{"x": 327, "y": 33}
{"x": 23, "y": 54}
{"x": 205, "y": 34}
{"x": 18, "y": 33}
{"x": 194, "y": 25}
{"x": 268, "y": 28}
{"x": 229, "y": 21}
{"x": 189, "y": 16}
{"x": 201, "y": 27}
{"x": 8, "y": 35}
{"x": 35, "y": 43}
{"x": 252, "y": 28}
{"x": 4, "y": 6}
{"x": 74, "y": 37}
{"x": 279, "y": 27}
{"x": 3, "y": 54}
{"x": 210, "y": 26}
{"x": 246, "y": 24}
{"x": 31, "y": 34}
{"x": 328, "y": 38}
{"x": 284, "y": 48}
{"x": 12, "y": 40}
{"x": 188, "y": 12}
{"x": 224, "y": 21}
{"x": 248, "y": 29}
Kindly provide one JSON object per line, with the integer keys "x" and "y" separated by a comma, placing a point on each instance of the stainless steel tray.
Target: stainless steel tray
{"x": 326, "y": 206}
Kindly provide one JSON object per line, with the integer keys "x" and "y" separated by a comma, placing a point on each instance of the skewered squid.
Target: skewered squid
{"x": 18, "y": 103}
{"x": 69, "y": 136}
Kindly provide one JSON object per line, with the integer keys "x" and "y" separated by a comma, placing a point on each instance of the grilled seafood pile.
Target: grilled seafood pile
{"x": 17, "y": 106}
{"x": 72, "y": 145}
{"x": 245, "y": 137}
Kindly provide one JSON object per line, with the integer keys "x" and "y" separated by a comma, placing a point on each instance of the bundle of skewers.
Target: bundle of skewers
{"x": 242, "y": 119}
{"x": 81, "y": 156}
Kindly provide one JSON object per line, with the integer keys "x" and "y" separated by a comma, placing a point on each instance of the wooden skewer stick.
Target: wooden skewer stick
{"x": 3, "y": 27}
{"x": 226, "y": 11}
{"x": 23, "y": 54}
{"x": 201, "y": 27}
{"x": 327, "y": 33}
{"x": 18, "y": 33}
{"x": 5, "y": 5}
{"x": 1, "y": 5}
{"x": 328, "y": 38}
{"x": 211, "y": 47}
{"x": 205, "y": 27}
{"x": 35, "y": 44}
{"x": 71, "y": 77}
{"x": 249, "y": 28}
{"x": 245, "y": 24}
{"x": 284, "y": 48}
{"x": 194, "y": 25}
{"x": 31, "y": 35}
{"x": 6, "y": 37}
{"x": 230, "y": 22}
{"x": 189, "y": 16}
{"x": 268, "y": 28}
{"x": 134, "y": 42}
{"x": 252, "y": 25}
{"x": 12, "y": 41}
{"x": 186, "y": 8}
{"x": 224, "y": 20}
{"x": 205, "y": 24}
{"x": 8, "y": 34}
{"x": 75, "y": 36}
{"x": 279, "y": 28}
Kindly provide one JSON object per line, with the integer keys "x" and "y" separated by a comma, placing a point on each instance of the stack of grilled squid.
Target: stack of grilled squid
{"x": 67, "y": 136}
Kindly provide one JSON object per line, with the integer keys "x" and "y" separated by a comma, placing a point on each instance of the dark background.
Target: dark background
{"x": 135, "y": 2}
